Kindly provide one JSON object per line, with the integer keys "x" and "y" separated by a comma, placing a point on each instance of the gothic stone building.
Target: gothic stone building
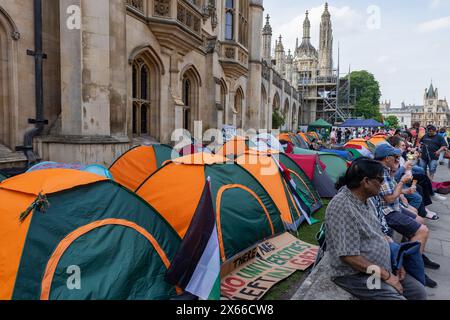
{"x": 434, "y": 111}
{"x": 120, "y": 70}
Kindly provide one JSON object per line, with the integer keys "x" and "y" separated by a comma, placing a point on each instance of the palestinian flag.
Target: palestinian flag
{"x": 196, "y": 266}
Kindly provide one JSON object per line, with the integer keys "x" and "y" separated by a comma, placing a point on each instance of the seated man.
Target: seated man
{"x": 408, "y": 224}
{"x": 356, "y": 244}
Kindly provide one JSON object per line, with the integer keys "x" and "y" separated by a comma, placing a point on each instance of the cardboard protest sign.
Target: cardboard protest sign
{"x": 269, "y": 263}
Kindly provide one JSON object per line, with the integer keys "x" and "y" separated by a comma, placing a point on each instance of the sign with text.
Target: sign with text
{"x": 271, "y": 262}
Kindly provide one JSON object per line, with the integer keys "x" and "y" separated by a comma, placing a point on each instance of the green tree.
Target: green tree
{"x": 277, "y": 120}
{"x": 392, "y": 122}
{"x": 368, "y": 94}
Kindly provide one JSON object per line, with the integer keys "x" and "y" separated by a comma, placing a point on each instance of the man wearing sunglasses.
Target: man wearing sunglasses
{"x": 399, "y": 219}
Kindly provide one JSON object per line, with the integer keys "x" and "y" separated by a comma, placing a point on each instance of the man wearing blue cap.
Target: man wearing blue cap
{"x": 403, "y": 221}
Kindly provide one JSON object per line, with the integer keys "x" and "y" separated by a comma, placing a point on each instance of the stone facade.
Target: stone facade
{"x": 123, "y": 70}
{"x": 434, "y": 111}
{"x": 313, "y": 73}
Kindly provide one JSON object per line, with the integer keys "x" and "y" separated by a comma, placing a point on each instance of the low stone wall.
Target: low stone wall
{"x": 85, "y": 150}
{"x": 318, "y": 286}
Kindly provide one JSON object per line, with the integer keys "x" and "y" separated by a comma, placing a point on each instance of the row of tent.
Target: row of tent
{"x": 118, "y": 231}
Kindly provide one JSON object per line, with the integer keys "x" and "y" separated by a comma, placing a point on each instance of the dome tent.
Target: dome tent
{"x": 52, "y": 220}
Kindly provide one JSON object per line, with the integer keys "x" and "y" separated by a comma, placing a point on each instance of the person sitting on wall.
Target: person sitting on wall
{"x": 356, "y": 243}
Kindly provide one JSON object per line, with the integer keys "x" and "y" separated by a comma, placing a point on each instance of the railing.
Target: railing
{"x": 188, "y": 17}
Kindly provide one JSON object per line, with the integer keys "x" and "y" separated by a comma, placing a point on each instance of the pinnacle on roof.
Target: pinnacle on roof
{"x": 267, "y": 28}
{"x": 431, "y": 92}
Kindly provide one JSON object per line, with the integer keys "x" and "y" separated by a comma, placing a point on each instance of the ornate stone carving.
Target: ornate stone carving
{"x": 162, "y": 8}
{"x": 230, "y": 53}
{"x": 277, "y": 80}
{"x": 137, "y": 4}
{"x": 188, "y": 17}
{"x": 15, "y": 35}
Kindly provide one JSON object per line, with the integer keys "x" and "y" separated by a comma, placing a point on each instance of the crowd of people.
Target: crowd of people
{"x": 381, "y": 199}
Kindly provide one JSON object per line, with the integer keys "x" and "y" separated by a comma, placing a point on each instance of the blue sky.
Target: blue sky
{"x": 404, "y": 43}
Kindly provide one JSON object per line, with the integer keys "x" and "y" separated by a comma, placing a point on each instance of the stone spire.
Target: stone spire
{"x": 289, "y": 66}
{"x": 307, "y": 28}
{"x": 280, "y": 56}
{"x": 326, "y": 44}
{"x": 267, "y": 40}
{"x": 306, "y": 48}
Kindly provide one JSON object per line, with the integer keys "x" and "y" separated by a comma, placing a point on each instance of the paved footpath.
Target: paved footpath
{"x": 438, "y": 247}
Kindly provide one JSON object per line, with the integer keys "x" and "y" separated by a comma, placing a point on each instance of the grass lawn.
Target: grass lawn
{"x": 286, "y": 288}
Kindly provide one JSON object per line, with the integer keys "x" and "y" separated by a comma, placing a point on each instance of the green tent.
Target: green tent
{"x": 336, "y": 165}
{"x": 321, "y": 127}
{"x": 120, "y": 247}
{"x": 2, "y": 177}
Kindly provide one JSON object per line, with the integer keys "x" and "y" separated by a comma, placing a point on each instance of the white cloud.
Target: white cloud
{"x": 435, "y": 3}
{"x": 383, "y": 59}
{"x": 434, "y": 25}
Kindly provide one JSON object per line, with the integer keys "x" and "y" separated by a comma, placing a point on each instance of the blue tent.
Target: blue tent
{"x": 354, "y": 123}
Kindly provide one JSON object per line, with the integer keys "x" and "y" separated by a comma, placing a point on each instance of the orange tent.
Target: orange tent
{"x": 378, "y": 139}
{"x": 52, "y": 220}
{"x": 246, "y": 212}
{"x": 236, "y": 146}
{"x": 134, "y": 166}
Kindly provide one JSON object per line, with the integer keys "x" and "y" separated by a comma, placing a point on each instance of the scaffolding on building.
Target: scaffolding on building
{"x": 329, "y": 96}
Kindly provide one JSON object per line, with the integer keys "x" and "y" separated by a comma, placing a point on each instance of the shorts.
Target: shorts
{"x": 432, "y": 165}
{"x": 403, "y": 222}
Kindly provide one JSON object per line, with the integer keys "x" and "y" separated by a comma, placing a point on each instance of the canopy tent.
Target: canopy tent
{"x": 134, "y": 166}
{"x": 246, "y": 212}
{"x": 336, "y": 165}
{"x": 315, "y": 170}
{"x": 319, "y": 124}
{"x": 52, "y": 220}
{"x": 354, "y": 123}
{"x": 322, "y": 127}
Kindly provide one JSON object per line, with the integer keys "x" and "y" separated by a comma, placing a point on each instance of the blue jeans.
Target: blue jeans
{"x": 431, "y": 165}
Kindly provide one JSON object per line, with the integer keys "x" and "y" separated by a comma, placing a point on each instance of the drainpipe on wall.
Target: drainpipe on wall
{"x": 39, "y": 57}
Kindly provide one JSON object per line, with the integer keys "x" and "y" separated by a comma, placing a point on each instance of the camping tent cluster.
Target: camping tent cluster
{"x": 124, "y": 228}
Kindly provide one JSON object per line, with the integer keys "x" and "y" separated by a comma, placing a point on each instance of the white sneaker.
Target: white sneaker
{"x": 438, "y": 197}
{"x": 432, "y": 215}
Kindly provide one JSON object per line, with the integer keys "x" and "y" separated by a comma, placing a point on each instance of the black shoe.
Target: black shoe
{"x": 430, "y": 283}
{"x": 430, "y": 264}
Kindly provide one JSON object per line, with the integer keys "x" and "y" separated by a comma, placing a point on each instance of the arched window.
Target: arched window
{"x": 191, "y": 83}
{"x": 187, "y": 100}
{"x": 223, "y": 97}
{"x": 229, "y": 20}
{"x": 243, "y": 22}
{"x": 263, "y": 112}
{"x": 238, "y": 105}
{"x": 141, "y": 98}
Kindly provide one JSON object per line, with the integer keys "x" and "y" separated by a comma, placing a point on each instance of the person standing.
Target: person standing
{"x": 443, "y": 134}
{"x": 339, "y": 136}
{"x": 432, "y": 146}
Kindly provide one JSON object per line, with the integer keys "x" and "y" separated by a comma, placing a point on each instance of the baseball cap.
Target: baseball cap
{"x": 386, "y": 150}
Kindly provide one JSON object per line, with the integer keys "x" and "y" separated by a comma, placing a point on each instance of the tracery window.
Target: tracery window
{"x": 141, "y": 98}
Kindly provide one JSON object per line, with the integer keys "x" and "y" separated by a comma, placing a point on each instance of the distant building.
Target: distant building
{"x": 433, "y": 111}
